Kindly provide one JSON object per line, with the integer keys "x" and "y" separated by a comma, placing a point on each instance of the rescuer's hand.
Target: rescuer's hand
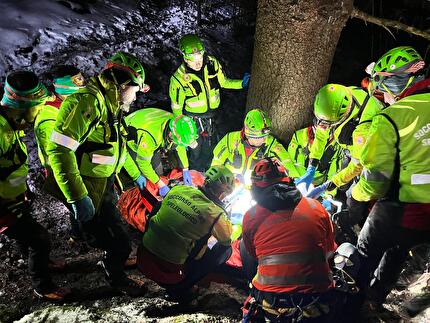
{"x": 245, "y": 80}
{"x": 188, "y": 180}
{"x": 307, "y": 177}
{"x": 84, "y": 209}
{"x": 317, "y": 191}
{"x": 140, "y": 182}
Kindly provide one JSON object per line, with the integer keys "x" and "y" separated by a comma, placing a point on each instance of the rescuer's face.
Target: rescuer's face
{"x": 128, "y": 96}
{"x": 256, "y": 142}
{"x": 196, "y": 63}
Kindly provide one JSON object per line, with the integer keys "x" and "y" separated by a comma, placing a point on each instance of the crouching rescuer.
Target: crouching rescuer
{"x": 290, "y": 238}
{"x": 175, "y": 251}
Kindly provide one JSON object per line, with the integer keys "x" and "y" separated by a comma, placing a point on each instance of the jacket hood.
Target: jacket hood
{"x": 279, "y": 196}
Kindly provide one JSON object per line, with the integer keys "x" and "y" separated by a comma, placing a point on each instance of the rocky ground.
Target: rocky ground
{"x": 85, "y": 33}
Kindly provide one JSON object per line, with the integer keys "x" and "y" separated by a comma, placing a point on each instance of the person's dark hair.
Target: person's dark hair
{"x": 22, "y": 80}
{"x": 63, "y": 70}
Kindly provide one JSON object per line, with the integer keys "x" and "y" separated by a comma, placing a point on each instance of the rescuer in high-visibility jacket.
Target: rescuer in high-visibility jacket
{"x": 291, "y": 239}
{"x": 152, "y": 130}
{"x": 23, "y": 98}
{"x": 88, "y": 149}
{"x": 175, "y": 250}
{"x": 396, "y": 171}
{"x": 239, "y": 151}
{"x": 349, "y": 111}
{"x": 331, "y": 161}
{"x": 67, "y": 79}
{"x": 195, "y": 91}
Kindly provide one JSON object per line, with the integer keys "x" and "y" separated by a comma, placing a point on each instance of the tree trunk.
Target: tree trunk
{"x": 295, "y": 41}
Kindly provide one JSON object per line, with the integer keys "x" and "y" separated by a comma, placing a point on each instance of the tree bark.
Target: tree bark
{"x": 295, "y": 41}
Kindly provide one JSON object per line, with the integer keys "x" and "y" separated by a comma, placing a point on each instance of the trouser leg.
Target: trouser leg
{"x": 198, "y": 269}
{"x": 29, "y": 233}
{"x": 108, "y": 233}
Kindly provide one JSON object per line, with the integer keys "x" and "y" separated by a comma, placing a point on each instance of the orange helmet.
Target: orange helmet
{"x": 269, "y": 171}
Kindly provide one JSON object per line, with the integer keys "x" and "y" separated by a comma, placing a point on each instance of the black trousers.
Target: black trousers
{"x": 200, "y": 157}
{"x": 383, "y": 246}
{"x": 196, "y": 270}
{"x": 34, "y": 240}
{"x": 107, "y": 232}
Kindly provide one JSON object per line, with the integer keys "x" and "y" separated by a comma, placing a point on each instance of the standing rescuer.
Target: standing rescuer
{"x": 23, "y": 98}
{"x": 291, "y": 239}
{"x": 151, "y": 131}
{"x": 195, "y": 91}
{"x": 87, "y": 149}
{"x": 67, "y": 80}
{"x": 396, "y": 171}
{"x": 239, "y": 151}
{"x": 174, "y": 252}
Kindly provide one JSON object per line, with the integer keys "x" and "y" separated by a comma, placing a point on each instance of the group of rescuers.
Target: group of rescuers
{"x": 86, "y": 135}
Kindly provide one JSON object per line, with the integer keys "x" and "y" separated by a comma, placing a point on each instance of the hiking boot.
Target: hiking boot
{"x": 53, "y": 293}
{"x": 418, "y": 303}
{"x": 128, "y": 286}
{"x": 182, "y": 296}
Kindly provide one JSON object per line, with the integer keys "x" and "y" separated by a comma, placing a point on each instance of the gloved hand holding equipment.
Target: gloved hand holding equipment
{"x": 188, "y": 180}
{"x": 84, "y": 209}
{"x": 140, "y": 182}
{"x": 308, "y": 177}
{"x": 163, "y": 190}
{"x": 317, "y": 191}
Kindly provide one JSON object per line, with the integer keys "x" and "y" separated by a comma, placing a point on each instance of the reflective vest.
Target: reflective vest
{"x": 291, "y": 247}
{"x": 13, "y": 161}
{"x": 146, "y": 130}
{"x": 240, "y": 158}
{"x": 88, "y": 138}
{"x": 185, "y": 217}
{"x": 396, "y": 157}
{"x": 331, "y": 161}
{"x": 198, "y": 95}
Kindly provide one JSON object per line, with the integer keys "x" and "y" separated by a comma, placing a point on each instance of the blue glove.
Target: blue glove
{"x": 327, "y": 205}
{"x": 141, "y": 182}
{"x": 307, "y": 177}
{"x": 187, "y": 177}
{"x": 317, "y": 191}
{"x": 245, "y": 80}
{"x": 164, "y": 190}
{"x": 84, "y": 209}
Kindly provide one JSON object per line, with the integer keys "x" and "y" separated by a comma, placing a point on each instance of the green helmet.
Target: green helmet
{"x": 397, "y": 60}
{"x": 256, "y": 124}
{"x": 190, "y": 45}
{"x": 220, "y": 178}
{"x": 331, "y": 104}
{"x": 130, "y": 64}
{"x": 183, "y": 130}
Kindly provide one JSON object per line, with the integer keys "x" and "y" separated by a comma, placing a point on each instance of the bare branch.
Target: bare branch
{"x": 385, "y": 23}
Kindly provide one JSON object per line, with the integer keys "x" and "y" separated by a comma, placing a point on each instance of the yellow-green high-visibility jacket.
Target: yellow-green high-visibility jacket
{"x": 349, "y": 136}
{"x": 194, "y": 92}
{"x": 240, "y": 158}
{"x": 43, "y": 126}
{"x": 88, "y": 139}
{"x": 331, "y": 161}
{"x": 186, "y": 215}
{"x": 396, "y": 158}
{"x": 13, "y": 160}
{"x": 146, "y": 129}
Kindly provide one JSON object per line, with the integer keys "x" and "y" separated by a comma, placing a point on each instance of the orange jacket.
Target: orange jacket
{"x": 292, "y": 247}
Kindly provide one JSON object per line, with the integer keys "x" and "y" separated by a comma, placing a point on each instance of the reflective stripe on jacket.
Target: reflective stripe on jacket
{"x": 13, "y": 161}
{"x": 88, "y": 138}
{"x": 291, "y": 246}
{"x": 240, "y": 158}
{"x": 189, "y": 93}
{"x": 146, "y": 128}
{"x": 396, "y": 156}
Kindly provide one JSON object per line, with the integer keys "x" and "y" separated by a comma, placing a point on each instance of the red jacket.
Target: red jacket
{"x": 291, "y": 245}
